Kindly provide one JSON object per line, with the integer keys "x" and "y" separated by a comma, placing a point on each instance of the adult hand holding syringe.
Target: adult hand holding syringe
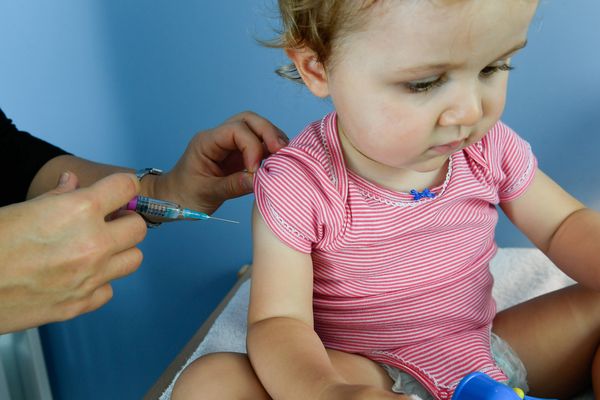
{"x": 64, "y": 252}
{"x": 60, "y": 250}
{"x": 166, "y": 210}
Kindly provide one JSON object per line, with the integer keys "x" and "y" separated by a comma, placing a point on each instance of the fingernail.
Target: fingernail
{"x": 64, "y": 178}
{"x": 282, "y": 142}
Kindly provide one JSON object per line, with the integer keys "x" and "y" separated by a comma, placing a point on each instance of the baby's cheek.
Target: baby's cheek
{"x": 493, "y": 104}
{"x": 497, "y": 108}
{"x": 492, "y": 112}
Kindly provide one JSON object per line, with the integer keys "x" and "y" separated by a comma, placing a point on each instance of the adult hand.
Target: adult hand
{"x": 219, "y": 163}
{"x": 59, "y": 252}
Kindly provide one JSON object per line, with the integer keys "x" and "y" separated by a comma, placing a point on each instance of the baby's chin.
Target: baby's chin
{"x": 432, "y": 164}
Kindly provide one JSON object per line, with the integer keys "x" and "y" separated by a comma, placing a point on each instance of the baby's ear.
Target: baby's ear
{"x": 310, "y": 69}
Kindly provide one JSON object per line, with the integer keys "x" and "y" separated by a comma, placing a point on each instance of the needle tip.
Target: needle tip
{"x": 225, "y": 220}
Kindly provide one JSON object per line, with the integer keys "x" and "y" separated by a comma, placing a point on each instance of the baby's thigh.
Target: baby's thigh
{"x": 359, "y": 370}
{"x": 556, "y": 336}
{"x": 219, "y": 376}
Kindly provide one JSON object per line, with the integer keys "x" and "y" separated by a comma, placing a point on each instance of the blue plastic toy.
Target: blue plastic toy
{"x": 479, "y": 386}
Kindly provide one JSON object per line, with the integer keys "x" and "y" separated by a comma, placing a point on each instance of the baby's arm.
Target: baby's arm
{"x": 286, "y": 353}
{"x": 561, "y": 226}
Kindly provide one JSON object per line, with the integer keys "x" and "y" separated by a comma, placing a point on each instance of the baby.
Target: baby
{"x": 374, "y": 229}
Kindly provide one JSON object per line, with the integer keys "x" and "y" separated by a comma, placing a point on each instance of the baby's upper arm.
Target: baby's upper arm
{"x": 281, "y": 278}
{"x": 541, "y": 209}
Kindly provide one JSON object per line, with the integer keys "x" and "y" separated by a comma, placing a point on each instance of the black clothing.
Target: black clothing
{"x": 21, "y": 157}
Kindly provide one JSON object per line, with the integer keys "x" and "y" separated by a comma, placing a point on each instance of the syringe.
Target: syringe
{"x": 166, "y": 210}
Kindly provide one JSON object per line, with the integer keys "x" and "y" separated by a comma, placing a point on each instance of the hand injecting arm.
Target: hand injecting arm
{"x": 216, "y": 166}
{"x": 60, "y": 250}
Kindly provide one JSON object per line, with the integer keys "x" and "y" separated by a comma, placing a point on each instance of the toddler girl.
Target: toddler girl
{"x": 374, "y": 229}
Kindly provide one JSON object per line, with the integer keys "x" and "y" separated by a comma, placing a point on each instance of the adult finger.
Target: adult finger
{"x": 234, "y": 185}
{"x": 246, "y": 133}
{"x": 127, "y": 231}
{"x": 100, "y": 297}
{"x": 121, "y": 265}
{"x": 114, "y": 191}
{"x": 95, "y": 300}
{"x": 67, "y": 182}
{"x": 271, "y": 135}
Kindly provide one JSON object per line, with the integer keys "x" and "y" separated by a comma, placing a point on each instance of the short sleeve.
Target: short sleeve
{"x": 289, "y": 198}
{"x": 511, "y": 161}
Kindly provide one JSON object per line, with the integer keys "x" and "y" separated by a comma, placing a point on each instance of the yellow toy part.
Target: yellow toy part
{"x": 519, "y": 392}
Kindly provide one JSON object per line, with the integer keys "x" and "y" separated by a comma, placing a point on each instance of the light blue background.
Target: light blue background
{"x": 129, "y": 82}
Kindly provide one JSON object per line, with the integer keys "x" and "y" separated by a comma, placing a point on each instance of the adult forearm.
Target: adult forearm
{"x": 87, "y": 172}
{"x": 290, "y": 359}
{"x": 574, "y": 247}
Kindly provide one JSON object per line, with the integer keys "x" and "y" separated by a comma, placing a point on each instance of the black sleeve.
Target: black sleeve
{"x": 21, "y": 157}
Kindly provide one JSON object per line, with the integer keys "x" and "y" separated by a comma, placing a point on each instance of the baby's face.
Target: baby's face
{"x": 424, "y": 78}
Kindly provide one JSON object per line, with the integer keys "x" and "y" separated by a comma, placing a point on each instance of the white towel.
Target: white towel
{"x": 519, "y": 273}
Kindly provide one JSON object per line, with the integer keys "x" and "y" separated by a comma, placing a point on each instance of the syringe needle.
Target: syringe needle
{"x": 191, "y": 214}
{"x": 224, "y": 220}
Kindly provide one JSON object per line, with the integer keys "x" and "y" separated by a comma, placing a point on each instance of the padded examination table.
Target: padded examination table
{"x": 519, "y": 273}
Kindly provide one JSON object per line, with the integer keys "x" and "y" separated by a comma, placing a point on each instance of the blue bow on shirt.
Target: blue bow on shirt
{"x": 419, "y": 195}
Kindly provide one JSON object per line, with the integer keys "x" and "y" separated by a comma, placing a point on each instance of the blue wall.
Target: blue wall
{"x": 130, "y": 82}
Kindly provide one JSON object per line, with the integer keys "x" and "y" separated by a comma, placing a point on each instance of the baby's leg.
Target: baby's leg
{"x": 229, "y": 376}
{"x": 557, "y": 336}
{"x": 224, "y": 376}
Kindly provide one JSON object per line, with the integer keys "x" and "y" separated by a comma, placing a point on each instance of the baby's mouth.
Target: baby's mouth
{"x": 448, "y": 147}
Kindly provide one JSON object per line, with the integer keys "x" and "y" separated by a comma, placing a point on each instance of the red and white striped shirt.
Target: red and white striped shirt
{"x": 402, "y": 282}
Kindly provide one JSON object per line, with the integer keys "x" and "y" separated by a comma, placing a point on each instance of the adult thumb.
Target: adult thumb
{"x": 237, "y": 184}
{"x": 67, "y": 182}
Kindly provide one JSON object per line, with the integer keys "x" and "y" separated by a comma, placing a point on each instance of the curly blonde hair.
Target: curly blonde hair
{"x": 318, "y": 25}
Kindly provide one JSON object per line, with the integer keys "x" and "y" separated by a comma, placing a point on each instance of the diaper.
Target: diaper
{"x": 505, "y": 357}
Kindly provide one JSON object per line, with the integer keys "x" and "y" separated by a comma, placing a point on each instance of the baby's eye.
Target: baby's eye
{"x": 492, "y": 69}
{"x": 424, "y": 86}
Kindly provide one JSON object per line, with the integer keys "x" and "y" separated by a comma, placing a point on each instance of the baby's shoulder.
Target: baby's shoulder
{"x": 306, "y": 157}
{"x": 499, "y": 134}
{"x": 499, "y": 140}
{"x": 308, "y": 146}
{"x": 502, "y": 159}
